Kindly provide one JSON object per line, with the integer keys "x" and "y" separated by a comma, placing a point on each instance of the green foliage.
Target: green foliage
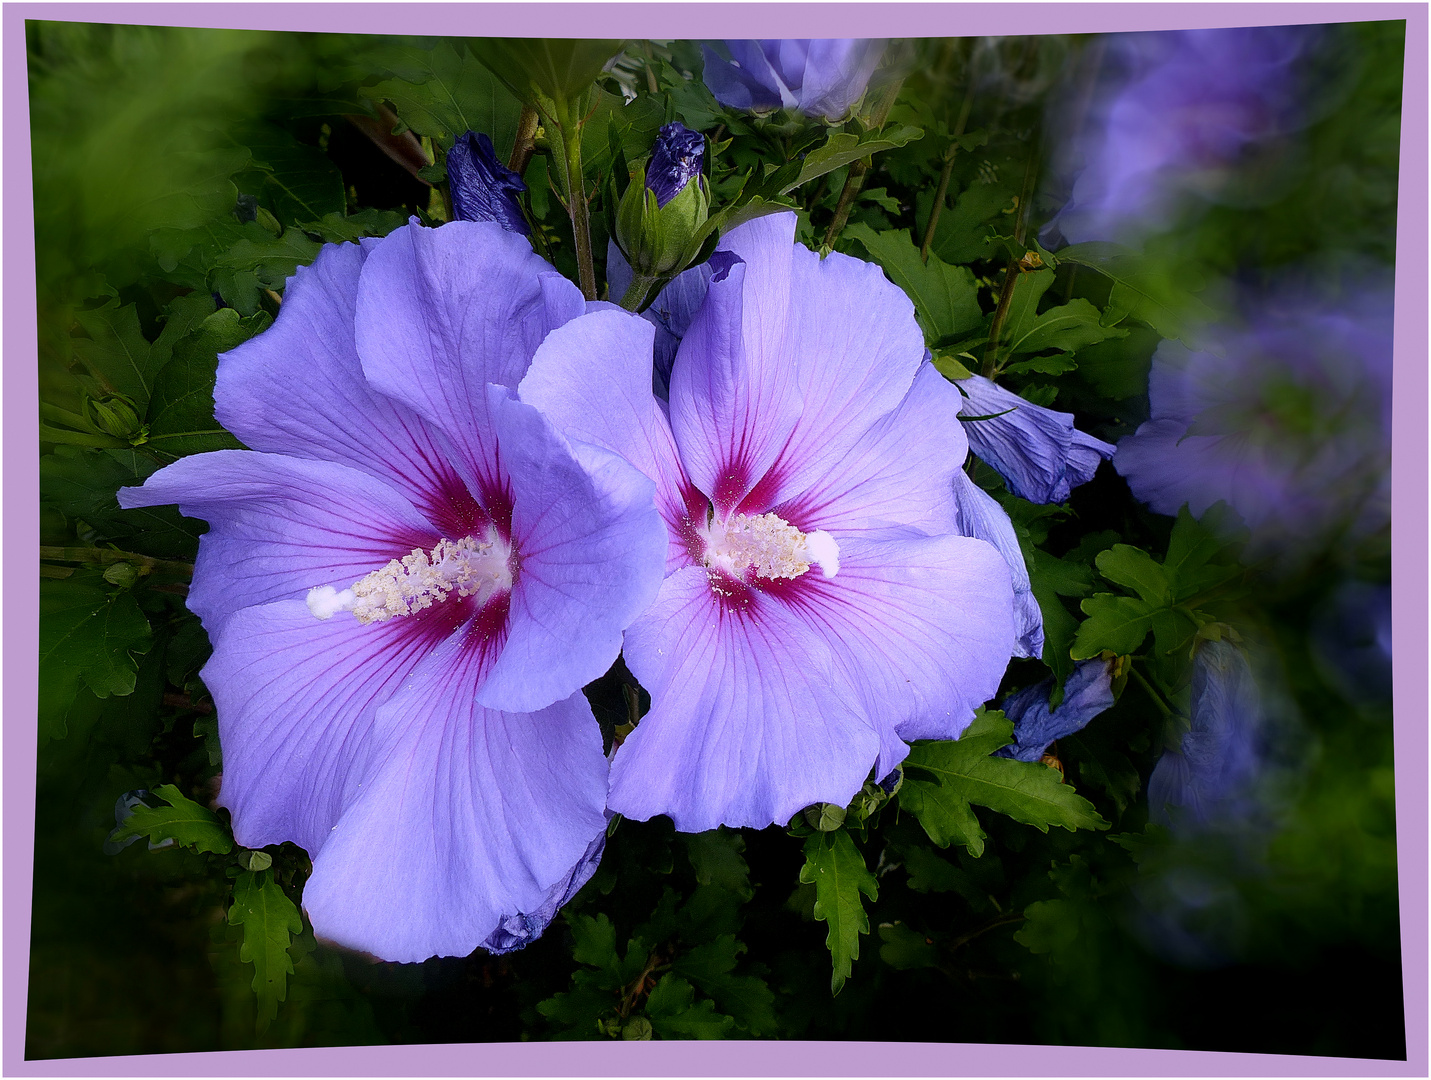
{"x": 445, "y": 91}
{"x": 1142, "y": 290}
{"x": 183, "y": 821}
{"x": 963, "y": 775}
{"x": 89, "y": 636}
{"x": 717, "y": 860}
{"x": 181, "y": 414}
{"x": 945, "y": 297}
{"x": 837, "y": 870}
{"x": 269, "y": 920}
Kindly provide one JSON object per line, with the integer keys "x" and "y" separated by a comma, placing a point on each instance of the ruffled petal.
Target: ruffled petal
{"x": 279, "y": 526}
{"x": 296, "y": 698}
{"x": 980, "y": 515}
{"x": 735, "y": 395}
{"x": 593, "y": 552}
{"x": 443, "y": 312}
{"x": 1087, "y": 692}
{"x": 837, "y": 71}
{"x": 898, "y": 473}
{"x": 921, "y": 626}
{"x": 467, "y": 816}
{"x": 740, "y": 87}
{"x": 748, "y": 723}
{"x": 298, "y": 388}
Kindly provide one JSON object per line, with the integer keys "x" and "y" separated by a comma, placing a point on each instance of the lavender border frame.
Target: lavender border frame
{"x": 1410, "y": 476}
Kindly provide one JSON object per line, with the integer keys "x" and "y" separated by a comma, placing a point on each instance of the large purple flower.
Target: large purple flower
{"x": 819, "y": 605}
{"x": 1177, "y": 114}
{"x": 407, "y": 582}
{"x": 1288, "y": 422}
{"x": 819, "y": 77}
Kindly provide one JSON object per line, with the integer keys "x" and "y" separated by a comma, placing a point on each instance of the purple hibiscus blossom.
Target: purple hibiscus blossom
{"x": 1289, "y": 422}
{"x": 1039, "y": 453}
{"x": 819, "y": 77}
{"x": 820, "y": 606}
{"x": 1182, "y": 110}
{"x": 1087, "y": 692}
{"x": 407, "y": 582}
{"x": 482, "y": 188}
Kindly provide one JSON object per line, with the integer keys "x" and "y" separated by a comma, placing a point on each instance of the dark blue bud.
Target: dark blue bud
{"x": 483, "y": 189}
{"x": 676, "y": 159}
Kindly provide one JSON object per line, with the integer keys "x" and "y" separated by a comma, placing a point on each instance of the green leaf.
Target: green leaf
{"x": 905, "y": 949}
{"x": 596, "y": 946}
{"x": 837, "y": 870}
{"x": 579, "y": 1010}
{"x": 1050, "y": 926}
{"x": 711, "y": 965}
{"x": 338, "y": 229}
{"x": 1057, "y": 364}
{"x": 844, "y": 148}
{"x": 716, "y": 858}
{"x": 82, "y": 485}
{"x": 1067, "y": 328}
{"x": 558, "y": 67}
{"x": 675, "y": 1015}
{"x": 1115, "y": 623}
{"x": 963, "y": 773}
{"x": 945, "y": 297}
{"x": 272, "y": 259}
{"x": 1023, "y": 305}
{"x": 444, "y": 92}
{"x": 88, "y": 635}
{"x": 181, "y": 413}
{"x": 269, "y": 921}
{"x": 1142, "y": 290}
{"x": 301, "y": 183}
{"x": 1134, "y": 568}
{"x": 183, "y": 821}
{"x": 116, "y": 350}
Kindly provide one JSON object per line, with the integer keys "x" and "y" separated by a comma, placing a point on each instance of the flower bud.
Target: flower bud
{"x": 482, "y": 188}
{"x": 114, "y": 415}
{"x": 637, "y": 1028}
{"x": 256, "y": 860}
{"x": 826, "y": 817}
{"x": 660, "y": 214}
{"x": 122, "y": 574}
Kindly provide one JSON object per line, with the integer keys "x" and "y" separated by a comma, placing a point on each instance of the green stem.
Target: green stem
{"x": 107, "y": 557}
{"x": 949, "y": 156}
{"x": 853, "y": 183}
{"x": 576, "y": 198}
{"x": 77, "y": 438}
{"x": 1011, "y": 275}
{"x": 1152, "y": 692}
{"x": 636, "y": 293}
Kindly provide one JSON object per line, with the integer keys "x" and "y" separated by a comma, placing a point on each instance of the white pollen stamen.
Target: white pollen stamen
{"x": 470, "y": 567}
{"x": 771, "y": 546}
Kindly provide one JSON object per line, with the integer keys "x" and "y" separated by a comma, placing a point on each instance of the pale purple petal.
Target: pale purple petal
{"x": 434, "y": 328}
{"x": 1087, "y": 692}
{"x": 298, "y": 388}
{"x": 737, "y": 86}
{"x": 837, "y": 71}
{"x": 279, "y": 526}
{"x": 296, "y": 698}
{"x": 467, "y": 816}
{"x": 520, "y": 930}
{"x": 980, "y": 515}
{"x": 746, "y": 727}
{"x": 671, "y": 311}
{"x": 592, "y": 548}
{"x": 920, "y": 625}
{"x": 898, "y": 474}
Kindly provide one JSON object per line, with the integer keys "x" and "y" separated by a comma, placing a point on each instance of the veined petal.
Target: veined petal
{"x": 739, "y": 87}
{"x": 593, "y": 552}
{"x": 898, "y": 473}
{"x": 748, "y": 722}
{"x": 837, "y": 70}
{"x": 980, "y": 515}
{"x": 467, "y": 816}
{"x": 1087, "y": 692}
{"x": 735, "y": 394}
{"x": 279, "y": 526}
{"x": 298, "y": 388}
{"x": 920, "y": 624}
{"x": 296, "y": 700}
{"x": 434, "y": 328}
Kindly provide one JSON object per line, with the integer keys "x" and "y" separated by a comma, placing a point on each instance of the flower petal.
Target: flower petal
{"x": 1087, "y": 692}
{"x": 981, "y": 516}
{"x": 296, "y": 700}
{"x": 593, "y": 552}
{"x": 837, "y": 70}
{"x": 738, "y": 87}
{"x": 279, "y": 526}
{"x": 748, "y": 724}
{"x": 467, "y": 816}
{"x": 443, "y": 312}
{"x": 735, "y": 396}
{"x": 298, "y": 388}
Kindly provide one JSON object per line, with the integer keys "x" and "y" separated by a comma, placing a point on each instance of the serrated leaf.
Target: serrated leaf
{"x": 905, "y": 949}
{"x": 82, "y": 485}
{"x": 1068, "y": 327}
{"x": 116, "y": 350}
{"x": 717, "y": 860}
{"x": 596, "y": 945}
{"x": 445, "y": 91}
{"x": 181, "y": 413}
{"x": 1141, "y": 290}
{"x": 338, "y": 229}
{"x": 675, "y": 1014}
{"x": 1134, "y": 568}
{"x": 578, "y": 1010}
{"x": 183, "y": 821}
{"x": 711, "y": 965}
{"x": 1050, "y": 926}
{"x": 558, "y": 67}
{"x": 979, "y": 211}
{"x": 269, "y": 921}
{"x": 844, "y": 148}
{"x": 963, "y": 773}
{"x": 88, "y": 635}
{"x": 837, "y": 870}
{"x": 1057, "y": 364}
{"x": 302, "y": 182}
{"x": 1115, "y": 623}
{"x": 945, "y": 297}
{"x": 272, "y": 259}
{"x": 1023, "y": 305}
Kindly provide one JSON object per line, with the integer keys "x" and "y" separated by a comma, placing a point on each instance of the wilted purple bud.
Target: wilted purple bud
{"x": 821, "y": 78}
{"x": 483, "y": 189}
{"x": 1086, "y": 693}
{"x": 676, "y": 159}
{"x": 1039, "y": 453}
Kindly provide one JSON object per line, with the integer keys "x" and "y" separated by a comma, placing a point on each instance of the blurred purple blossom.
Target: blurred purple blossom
{"x": 1176, "y": 112}
{"x": 820, "y": 77}
{"x": 417, "y": 726}
{"x": 1087, "y": 692}
{"x": 482, "y": 188}
{"x": 1351, "y": 637}
{"x": 1288, "y": 421}
{"x": 820, "y": 606}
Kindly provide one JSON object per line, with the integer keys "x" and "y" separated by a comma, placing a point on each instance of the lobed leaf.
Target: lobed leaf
{"x": 269, "y": 920}
{"x": 183, "y": 821}
{"x": 837, "y": 870}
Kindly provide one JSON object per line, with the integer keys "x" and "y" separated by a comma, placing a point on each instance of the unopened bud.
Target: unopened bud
{"x": 114, "y": 415}
{"x": 122, "y": 574}
{"x": 826, "y": 817}
{"x": 666, "y": 203}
